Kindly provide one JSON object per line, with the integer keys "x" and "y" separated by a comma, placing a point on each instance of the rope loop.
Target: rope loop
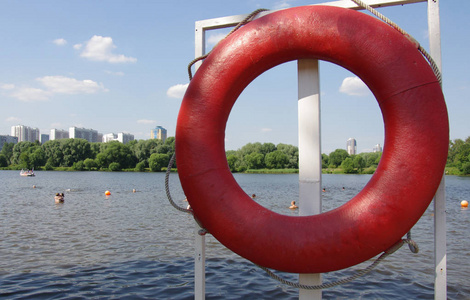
{"x": 358, "y": 273}
{"x": 167, "y": 187}
{"x": 248, "y": 18}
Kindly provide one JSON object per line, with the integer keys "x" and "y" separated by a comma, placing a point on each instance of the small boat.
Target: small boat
{"x": 27, "y": 173}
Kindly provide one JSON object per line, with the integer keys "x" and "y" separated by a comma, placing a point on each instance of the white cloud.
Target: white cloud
{"x": 144, "y": 121}
{"x": 67, "y": 85}
{"x": 215, "y": 38}
{"x": 354, "y": 86}
{"x": 60, "y": 42}
{"x": 77, "y": 46}
{"x": 7, "y": 86}
{"x": 28, "y": 94}
{"x": 52, "y": 85}
{"x": 177, "y": 91}
{"x": 115, "y": 73}
{"x": 13, "y": 120}
{"x": 100, "y": 48}
{"x": 282, "y": 4}
{"x": 266, "y": 129}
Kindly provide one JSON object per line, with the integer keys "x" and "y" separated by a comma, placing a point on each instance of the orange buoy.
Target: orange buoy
{"x": 464, "y": 203}
{"x": 107, "y": 193}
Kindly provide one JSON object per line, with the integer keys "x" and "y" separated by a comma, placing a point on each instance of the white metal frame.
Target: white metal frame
{"x": 310, "y": 148}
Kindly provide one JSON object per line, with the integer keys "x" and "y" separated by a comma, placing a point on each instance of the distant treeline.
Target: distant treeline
{"x": 79, "y": 154}
{"x": 154, "y": 155}
{"x": 255, "y": 156}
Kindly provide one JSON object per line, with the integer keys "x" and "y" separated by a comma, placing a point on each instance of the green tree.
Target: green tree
{"x": 292, "y": 153}
{"x": 3, "y": 161}
{"x": 89, "y": 163}
{"x": 254, "y": 160}
{"x": 170, "y": 142}
{"x": 140, "y": 166}
{"x": 276, "y": 160}
{"x": 157, "y": 161}
{"x": 324, "y": 161}
{"x": 115, "y": 151}
{"x": 371, "y": 158}
{"x": 348, "y": 165}
{"x": 336, "y": 157}
{"x": 23, "y": 161}
{"x": 65, "y": 152}
{"x": 144, "y": 148}
{"x": 37, "y": 157}
{"x": 74, "y": 150}
{"x": 95, "y": 149}
{"x": 78, "y": 166}
{"x": 53, "y": 153}
{"x": 358, "y": 162}
{"x": 250, "y": 148}
{"x": 114, "y": 166}
{"x": 18, "y": 149}
{"x": 48, "y": 166}
{"x": 7, "y": 151}
{"x": 465, "y": 168}
{"x": 100, "y": 161}
{"x": 232, "y": 160}
{"x": 267, "y": 148}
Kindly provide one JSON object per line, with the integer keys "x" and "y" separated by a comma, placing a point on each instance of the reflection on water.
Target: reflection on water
{"x": 135, "y": 245}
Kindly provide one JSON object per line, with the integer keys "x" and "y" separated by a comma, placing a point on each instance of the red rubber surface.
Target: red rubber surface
{"x": 412, "y": 164}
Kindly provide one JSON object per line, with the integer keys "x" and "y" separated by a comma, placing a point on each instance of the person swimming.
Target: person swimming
{"x": 293, "y": 206}
{"x": 59, "y": 198}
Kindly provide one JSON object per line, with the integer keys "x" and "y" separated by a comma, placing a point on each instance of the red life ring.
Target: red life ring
{"x": 412, "y": 164}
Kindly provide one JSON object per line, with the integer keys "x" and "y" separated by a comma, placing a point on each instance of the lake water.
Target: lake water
{"x": 137, "y": 246}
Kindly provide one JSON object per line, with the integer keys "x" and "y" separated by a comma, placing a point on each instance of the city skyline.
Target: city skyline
{"x": 158, "y": 133}
{"x": 27, "y": 133}
{"x": 127, "y": 71}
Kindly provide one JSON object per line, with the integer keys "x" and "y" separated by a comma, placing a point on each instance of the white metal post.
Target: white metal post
{"x": 309, "y": 155}
{"x": 440, "y": 239}
{"x": 199, "y": 240}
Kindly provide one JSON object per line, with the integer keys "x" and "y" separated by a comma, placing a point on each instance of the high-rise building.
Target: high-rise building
{"x": 351, "y": 146}
{"x": 125, "y": 137}
{"x": 25, "y": 133}
{"x": 109, "y": 137}
{"x": 158, "y": 133}
{"x": 7, "y": 139}
{"x": 44, "y": 138}
{"x": 120, "y": 137}
{"x": 57, "y": 134}
{"x": 377, "y": 148}
{"x": 90, "y": 135}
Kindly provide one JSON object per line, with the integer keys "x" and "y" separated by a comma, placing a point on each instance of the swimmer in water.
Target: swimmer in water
{"x": 59, "y": 198}
{"x": 293, "y": 206}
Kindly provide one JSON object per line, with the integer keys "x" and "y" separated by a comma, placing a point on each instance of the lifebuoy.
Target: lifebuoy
{"x": 412, "y": 164}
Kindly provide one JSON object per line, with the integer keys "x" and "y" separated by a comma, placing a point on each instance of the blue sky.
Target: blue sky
{"x": 120, "y": 66}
